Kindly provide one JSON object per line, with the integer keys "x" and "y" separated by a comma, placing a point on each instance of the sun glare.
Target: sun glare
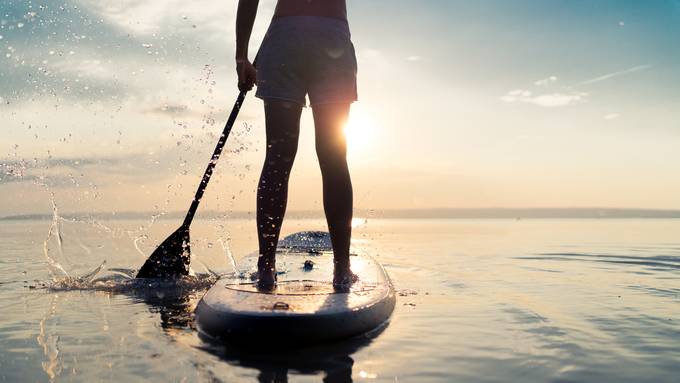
{"x": 359, "y": 129}
{"x": 356, "y": 222}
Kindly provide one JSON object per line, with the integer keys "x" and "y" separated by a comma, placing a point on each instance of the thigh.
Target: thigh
{"x": 282, "y": 121}
{"x": 329, "y": 125}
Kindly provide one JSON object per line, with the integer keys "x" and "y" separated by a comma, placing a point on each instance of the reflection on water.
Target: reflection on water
{"x": 274, "y": 363}
{"x": 479, "y": 301}
{"x": 175, "y": 302}
{"x": 48, "y": 339}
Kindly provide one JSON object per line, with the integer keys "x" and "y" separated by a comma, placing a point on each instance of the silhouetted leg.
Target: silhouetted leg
{"x": 331, "y": 148}
{"x": 283, "y": 127}
{"x": 342, "y": 372}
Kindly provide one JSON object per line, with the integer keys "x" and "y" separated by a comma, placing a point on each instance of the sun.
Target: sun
{"x": 359, "y": 129}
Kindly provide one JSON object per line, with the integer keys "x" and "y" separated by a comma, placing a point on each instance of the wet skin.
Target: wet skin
{"x": 282, "y": 127}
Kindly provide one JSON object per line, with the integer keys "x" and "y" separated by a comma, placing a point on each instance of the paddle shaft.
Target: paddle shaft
{"x": 213, "y": 161}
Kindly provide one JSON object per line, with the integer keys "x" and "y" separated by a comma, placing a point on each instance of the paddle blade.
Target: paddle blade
{"x": 170, "y": 259}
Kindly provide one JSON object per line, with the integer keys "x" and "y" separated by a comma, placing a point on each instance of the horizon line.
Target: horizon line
{"x": 434, "y": 212}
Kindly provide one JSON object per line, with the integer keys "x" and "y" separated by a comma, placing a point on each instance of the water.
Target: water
{"x": 479, "y": 301}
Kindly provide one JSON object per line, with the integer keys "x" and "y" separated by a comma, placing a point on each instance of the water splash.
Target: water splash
{"x": 89, "y": 276}
{"x": 75, "y": 282}
{"x": 54, "y": 231}
{"x": 123, "y": 281}
{"x": 136, "y": 244}
{"x": 315, "y": 240}
{"x": 230, "y": 256}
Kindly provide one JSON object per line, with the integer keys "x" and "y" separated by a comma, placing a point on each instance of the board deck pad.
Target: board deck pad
{"x": 304, "y": 306}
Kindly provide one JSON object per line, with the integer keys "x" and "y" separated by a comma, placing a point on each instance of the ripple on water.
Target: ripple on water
{"x": 653, "y": 262}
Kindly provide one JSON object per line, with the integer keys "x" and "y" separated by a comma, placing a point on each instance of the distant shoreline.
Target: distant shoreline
{"x": 441, "y": 213}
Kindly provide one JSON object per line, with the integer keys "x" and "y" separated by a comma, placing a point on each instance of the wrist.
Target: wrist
{"x": 241, "y": 55}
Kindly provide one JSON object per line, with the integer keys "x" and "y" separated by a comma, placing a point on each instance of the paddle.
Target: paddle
{"x": 171, "y": 258}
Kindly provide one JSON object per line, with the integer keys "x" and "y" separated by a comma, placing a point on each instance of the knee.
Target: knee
{"x": 281, "y": 154}
{"x": 332, "y": 162}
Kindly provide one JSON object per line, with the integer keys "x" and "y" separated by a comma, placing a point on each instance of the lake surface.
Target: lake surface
{"x": 478, "y": 301}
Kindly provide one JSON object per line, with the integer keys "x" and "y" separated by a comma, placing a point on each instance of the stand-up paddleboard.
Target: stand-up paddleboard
{"x": 304, "y": 307}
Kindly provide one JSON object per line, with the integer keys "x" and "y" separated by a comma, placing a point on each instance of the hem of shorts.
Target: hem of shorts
{"x": 265, "y": 97}
{"x": 349, "y": 101}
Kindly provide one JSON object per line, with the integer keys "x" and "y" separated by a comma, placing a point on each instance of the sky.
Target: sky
{"x": 116, "y": 106}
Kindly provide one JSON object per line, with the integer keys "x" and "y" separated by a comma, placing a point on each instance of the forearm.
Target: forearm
{"x": 245, "y": 18}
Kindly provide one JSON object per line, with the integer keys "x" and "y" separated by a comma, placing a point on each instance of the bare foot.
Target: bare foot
{"x": 344, "y": 279}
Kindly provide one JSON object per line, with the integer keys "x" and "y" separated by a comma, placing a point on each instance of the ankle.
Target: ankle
{"x": 341, "y": 264}
{"x": 266, "y": 263}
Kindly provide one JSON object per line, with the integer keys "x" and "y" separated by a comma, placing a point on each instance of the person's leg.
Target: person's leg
{"x": 331, "y": 149}
{"x": 282, "y": 121}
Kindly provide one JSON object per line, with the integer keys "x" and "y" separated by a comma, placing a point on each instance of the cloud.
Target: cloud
{"x": 50, "y": 168}
{"x": 566, "y": 97}
{"x": 550, "y": 100}
{"x": 413, "y": 58}
{"x": 611, "y": 116}
{"x": 88, "y": 68}
{"x": 93, "y": 51}
{"x": 171, "y": 109}
{"x": 546, "y": 81}
{"x": 202, "y": 21}
{"x": 614, "y": 74}
{"x": 149, "y": 17}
